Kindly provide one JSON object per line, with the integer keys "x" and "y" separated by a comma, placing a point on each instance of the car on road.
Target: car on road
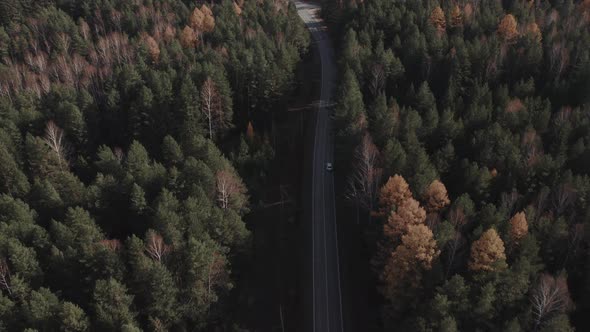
{"x": 329, "y": 167}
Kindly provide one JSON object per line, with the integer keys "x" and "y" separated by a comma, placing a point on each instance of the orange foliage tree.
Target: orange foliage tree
{"x": 436, "y": 196}
{"x": 518, "y": 227}
{"x": 456, "y": 17}
{"x": 408, "y": 213}
{"x": 437, "y": 18}
{"x": 415, "y": 254}
{"x": 202, "y": 20}
{"x": 237, "y": 9}
{"x": 188, "y": 37}
{"x": 487, "y": 253}
{"x": 250, "y": 131}
{"x": 507, "y": 29}
{"x": 152, "y": 47}
{"x": 393, "y": 193}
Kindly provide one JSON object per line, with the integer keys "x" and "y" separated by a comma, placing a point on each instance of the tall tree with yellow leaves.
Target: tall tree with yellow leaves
{"x": 413, "y": 256}
{"x": 487, "y": 253}
{"x": 408, "y": 213}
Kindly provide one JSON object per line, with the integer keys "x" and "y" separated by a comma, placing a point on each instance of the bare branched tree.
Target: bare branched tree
{"x": 363, "y": 183}
{"x": 54, "y": 138}
{"x": 212, "y": 107}
{"x": 576, "y": 236}
{"x": 551, "y": 296}
{"x": 377, "y": 79}
{"x": 457, "y": 218}
{"x": 155, "y": 246}
{"x": 508, "y": 201}
{"x": 216, "y": 273}
{"x": 228, "y": 186}
{"x": 452, "y": 247}
{"x": 541, "y": 203}
{"x": 563, "y": 197}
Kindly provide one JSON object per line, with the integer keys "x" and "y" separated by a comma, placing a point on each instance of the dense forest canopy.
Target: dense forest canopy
{"x": 490, "y": 101}
{"x": 119, "y": 209}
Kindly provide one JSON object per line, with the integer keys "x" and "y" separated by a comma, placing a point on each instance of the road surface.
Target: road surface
{"x": 326, "y": 292}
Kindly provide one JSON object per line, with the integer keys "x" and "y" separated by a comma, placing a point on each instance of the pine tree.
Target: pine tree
{"x": 137, "y": 199}
{"x": 349, "y": 115}
{"x": 12, "y": 180}
{"x": 72, "y": 318}
{"x": 171, "y": 151}
{"x": 383, "y": 120}
{"x": 112, "y": 304}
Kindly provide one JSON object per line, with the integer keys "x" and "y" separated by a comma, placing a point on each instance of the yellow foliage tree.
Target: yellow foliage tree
{"x": 487, "y": 253}
{"x": 408, "y": 213}
{"x": 518, "y": 227}
{"x": 405, "y": 265}
{"x": 507, "y": 29}
{"x": 393, "y": 193}
{"x": 436, "y": 196}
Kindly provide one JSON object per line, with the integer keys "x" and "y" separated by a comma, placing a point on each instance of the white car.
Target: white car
{"x": 329, "y": 167}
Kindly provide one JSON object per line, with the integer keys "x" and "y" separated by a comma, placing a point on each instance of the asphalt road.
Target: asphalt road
{"x": 326, "y": 286}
